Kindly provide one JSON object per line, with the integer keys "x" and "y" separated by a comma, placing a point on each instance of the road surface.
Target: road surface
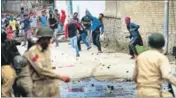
{"x": 106, "y": 65}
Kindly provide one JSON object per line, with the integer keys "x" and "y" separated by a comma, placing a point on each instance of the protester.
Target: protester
{"x": 152, "y": 67}
{"x": 82, "y": 36}
{"x": 71, "y": 32}
{"x": 23, "y": 83}
{"x": 97, "y": 24}
{"x": 43, "y": 20}
{"x": 43, "y": 77}
{"x": 134, "y": 36}
{"x": 62, "y": 20}
{"x": 13, "y": 24}
{"x": 87, "y": 25}
{"x": 75, "y": 16}
{"x": 53, "y": 22}
{"x": 58, "y": 18}
{"x": 27, "y": 28}
{"x": 33, "y": 24}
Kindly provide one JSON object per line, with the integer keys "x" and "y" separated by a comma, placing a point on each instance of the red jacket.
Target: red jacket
{"x": 63, "y": 16}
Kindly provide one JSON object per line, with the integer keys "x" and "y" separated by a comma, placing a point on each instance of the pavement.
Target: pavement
{"x": 102, "y": 67}
{"x": 90, "y": 63}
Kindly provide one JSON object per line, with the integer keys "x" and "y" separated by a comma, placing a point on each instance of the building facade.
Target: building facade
{"x": 146, "y": 13}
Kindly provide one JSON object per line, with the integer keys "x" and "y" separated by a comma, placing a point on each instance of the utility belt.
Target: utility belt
{"x": 48, "y": 80}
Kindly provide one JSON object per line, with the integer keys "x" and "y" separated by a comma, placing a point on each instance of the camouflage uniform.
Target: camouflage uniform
{"x": 43, "y": 77}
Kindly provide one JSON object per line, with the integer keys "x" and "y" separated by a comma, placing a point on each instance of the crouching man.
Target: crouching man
{"x": 42, "y": 75}
{"x": 152, "y": 67}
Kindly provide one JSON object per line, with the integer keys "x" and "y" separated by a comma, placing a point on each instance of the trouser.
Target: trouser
{"x": 55, "y": 37}
{"x": 15, "y": 33}
{"x": 132, "y": 47}
{"x": 89, "y": 37}
{"x": 60, "y": 27}
{"x": 8, "y": 77}
{"x": 45, "y": 88}
{"x": 74, "y": 44}
{"x": 27, "y": 35}
{"x": 96, "y": 39}
{"x": 83, "y": 38}
{"x": 23, "y": 87}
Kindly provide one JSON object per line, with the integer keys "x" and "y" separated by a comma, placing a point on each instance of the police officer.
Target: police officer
{"x": 8, "y": 52}
{"x": 23, "y": 84}
{"x": 43, "y": 77}
{"x": 152, "y": 67}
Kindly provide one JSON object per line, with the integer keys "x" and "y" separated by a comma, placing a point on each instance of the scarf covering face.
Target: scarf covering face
{"x": 127, "y": 20}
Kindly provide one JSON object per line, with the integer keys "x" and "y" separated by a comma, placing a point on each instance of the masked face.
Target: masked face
{"x": 127, "y": 20}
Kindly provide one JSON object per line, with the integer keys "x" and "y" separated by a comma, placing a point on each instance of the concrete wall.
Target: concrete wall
{"x": 13, "y": 6}
{"x": 148, "y": 14}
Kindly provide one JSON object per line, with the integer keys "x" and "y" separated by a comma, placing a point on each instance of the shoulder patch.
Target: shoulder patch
{"x": 35, "y": 58}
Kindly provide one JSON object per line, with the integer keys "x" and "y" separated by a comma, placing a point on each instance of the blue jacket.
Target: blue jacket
{"x": 133, "y": 29}
{"x": 96, "y": 24}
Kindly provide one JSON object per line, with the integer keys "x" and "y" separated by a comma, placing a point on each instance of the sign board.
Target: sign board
{"x": 93, "y": 88}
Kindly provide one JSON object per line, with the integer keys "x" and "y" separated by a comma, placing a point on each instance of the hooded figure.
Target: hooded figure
{"x": 135, "y": 37}
{"x": 62, "y": 21}
{"x": 63, "y": 17}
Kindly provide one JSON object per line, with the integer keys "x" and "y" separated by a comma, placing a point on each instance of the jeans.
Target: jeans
{"x": 89, "y": 37}
{"x": 83, "y": 38}
{"x": 74, "y": 44}
{"x": 60, "y": 27}
{"x": 55, "y": 37}
{"x": 27, "y": 35}
{"x": 96, "y": 39}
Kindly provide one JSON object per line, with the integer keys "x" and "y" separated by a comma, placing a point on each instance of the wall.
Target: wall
{"x": 148, "y": 14}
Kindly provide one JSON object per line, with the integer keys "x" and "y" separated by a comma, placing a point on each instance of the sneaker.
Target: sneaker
{"x": 100, "y": 52}
{"x": 133, "y": 57}
{"x": 89, "y": 48}
{"x": 77, "y": 55}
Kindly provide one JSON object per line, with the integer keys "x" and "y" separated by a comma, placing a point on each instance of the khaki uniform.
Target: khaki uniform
{"x": 43, "y": 77}
{"x": 152, "y": 67}
{"x": 8, "y": 77}
{"x": 24, "y": 83}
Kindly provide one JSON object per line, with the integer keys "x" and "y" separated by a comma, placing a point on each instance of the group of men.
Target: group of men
{"x": 87, "y": 30}
{"x": 31, "y": 74}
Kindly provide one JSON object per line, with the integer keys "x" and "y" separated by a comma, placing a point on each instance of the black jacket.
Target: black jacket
{"x": 9, "y": 51}
{"x": 72, "y": 30}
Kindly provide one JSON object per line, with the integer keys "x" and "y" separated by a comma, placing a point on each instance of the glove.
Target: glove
{"x": 65, "y": 79}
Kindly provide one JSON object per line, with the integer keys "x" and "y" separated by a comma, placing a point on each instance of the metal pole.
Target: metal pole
{"x": 166, "y": 18}
{"x": 70, "y": 8}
